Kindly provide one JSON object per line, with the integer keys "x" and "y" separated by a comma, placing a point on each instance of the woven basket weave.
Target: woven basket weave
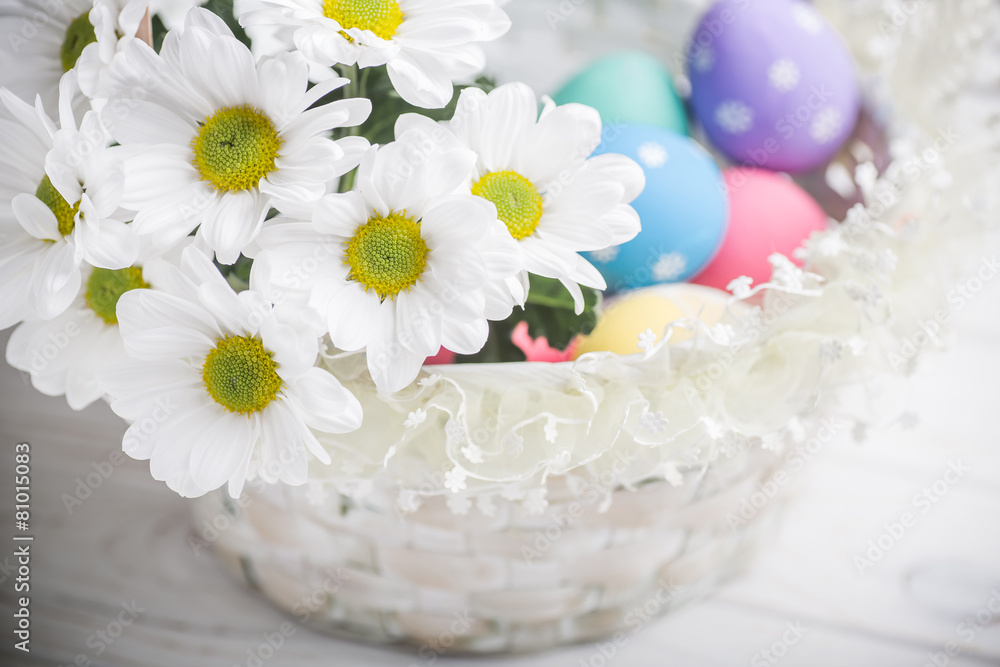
{"x": 509, "y": 583}
{"x": 504, "y": 578}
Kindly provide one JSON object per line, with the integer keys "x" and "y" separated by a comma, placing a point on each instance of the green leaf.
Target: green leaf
{"x": 549, "y": 312}
{"x": 159, "y": 32}
{"x": 387, "y": 105}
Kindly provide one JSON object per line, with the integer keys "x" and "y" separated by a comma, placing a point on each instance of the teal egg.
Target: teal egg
{"x": 629, "y": 88}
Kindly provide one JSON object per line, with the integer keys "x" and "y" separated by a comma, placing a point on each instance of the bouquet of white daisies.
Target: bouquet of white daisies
{"x": 189, "y": 218}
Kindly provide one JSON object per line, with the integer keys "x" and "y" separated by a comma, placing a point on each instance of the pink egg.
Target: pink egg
{"x": 768, "y": 213}
{"x": 442, "y": 358}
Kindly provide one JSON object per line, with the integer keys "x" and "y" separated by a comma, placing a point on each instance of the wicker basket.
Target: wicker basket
{"x": 509, "y": 583}
{"x": 599, "y": 554}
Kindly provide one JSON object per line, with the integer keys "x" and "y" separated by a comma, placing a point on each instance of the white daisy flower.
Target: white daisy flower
{"x": 65, "y": 355}
{"x": 400, "y": 267}
{"x": 113, "y": 24}
{"x": 42, "y": 40}
{"x": 172, "y": 12}
{"x": 46, "y": 39}
{"x": 218, "y": 145}
{"x": 222, "y": 383}
{"x": 553, "y": 199}
{"x": 425, "y": 45}
{"x": 60, "y": 188}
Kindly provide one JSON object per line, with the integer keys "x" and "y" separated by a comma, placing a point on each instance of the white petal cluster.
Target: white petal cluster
{"x": 426, "y": 45}
{"x": 137, "y": 184}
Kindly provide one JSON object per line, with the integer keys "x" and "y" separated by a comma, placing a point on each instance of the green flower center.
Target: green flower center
{"x": 382, "y": 17}
{"x": 236, "y": 147}
{"x": 79, "y": 35}
{"x": 519, "y": 206}
{"x": 387, "y": 254}
{"x": 105, "y": 287}
{"x": 240, "y": 374}
{"x": 65, "y": 214}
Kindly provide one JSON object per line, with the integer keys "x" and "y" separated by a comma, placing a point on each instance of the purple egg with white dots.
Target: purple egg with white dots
{"x": 772, "y": 84}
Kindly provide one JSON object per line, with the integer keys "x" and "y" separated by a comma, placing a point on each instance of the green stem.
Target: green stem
{"x": 363, "y": 83}
{"x": 347, "y": 181}
{"x": 357, "y": 86}
{"x": 549, "y": 301}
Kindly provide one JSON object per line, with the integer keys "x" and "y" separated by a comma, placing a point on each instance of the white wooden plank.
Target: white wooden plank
{"x": 128, "y": 541}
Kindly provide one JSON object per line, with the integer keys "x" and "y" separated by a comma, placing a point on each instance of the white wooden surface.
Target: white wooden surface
{"x": 128, "y": 542}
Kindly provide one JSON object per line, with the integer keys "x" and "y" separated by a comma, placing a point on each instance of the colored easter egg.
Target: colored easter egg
{"x": 442, "y": 358}
{"x": 768, "y": 213}
{"x": 683, "y": 210}
{"x": 654, "y": 309}
{"x": 629, "y": 87}
{"x": 772, "y": 84}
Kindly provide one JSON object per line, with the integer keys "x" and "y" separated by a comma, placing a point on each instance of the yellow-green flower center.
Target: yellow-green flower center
{"x": 382, "y": 17}
{"x": 105, "y": 287}
{"x": 65, "y": 214}
{"x": 236, "y": 147}
{"x": 79, "y": 35}
{"x": 240, "y": 374}
{"x": 519, "y": 206}
{"x": 387, "y": 254}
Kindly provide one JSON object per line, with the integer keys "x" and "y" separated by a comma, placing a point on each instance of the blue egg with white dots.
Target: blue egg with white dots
{"x": 684, "y": 209}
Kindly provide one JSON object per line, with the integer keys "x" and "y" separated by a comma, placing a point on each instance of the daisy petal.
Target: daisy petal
{"x": 57, "y": 280}
{"x": 35, "y": 217}
{"x": 350, "y": 313}
{"x": 466, "y": 338}
{"x": 282, "y": 453}
{"x": 218, "y": 450}
{"x": 234, "y": 225}
{"x": 327, "y": 405}
{"x": 148, "y": 310}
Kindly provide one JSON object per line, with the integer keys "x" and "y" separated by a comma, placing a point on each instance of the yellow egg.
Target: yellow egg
{"x": 653, "y": 308}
